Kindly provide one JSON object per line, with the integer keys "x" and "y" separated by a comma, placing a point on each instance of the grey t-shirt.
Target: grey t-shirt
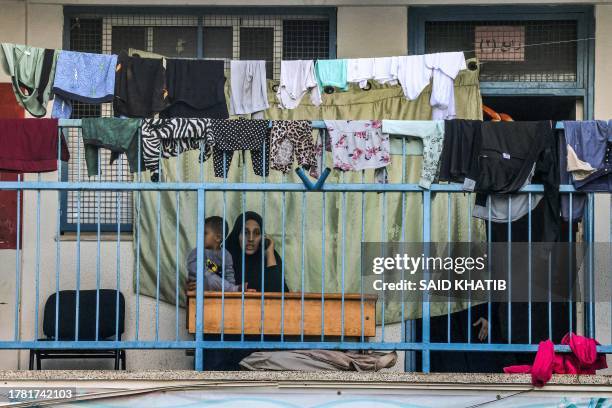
{"x": 212, "y": 256}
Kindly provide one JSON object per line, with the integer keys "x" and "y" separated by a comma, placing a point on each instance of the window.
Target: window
{"x": 522, "y": 50}
{"x": 252, "y": 35}
{"x": 504, "y": 59}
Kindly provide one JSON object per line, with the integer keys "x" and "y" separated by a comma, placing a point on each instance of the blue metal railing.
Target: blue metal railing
{"x": 319, "y": 188}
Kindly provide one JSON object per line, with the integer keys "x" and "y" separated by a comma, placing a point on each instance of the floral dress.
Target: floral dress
{"x": 358, "y": 145}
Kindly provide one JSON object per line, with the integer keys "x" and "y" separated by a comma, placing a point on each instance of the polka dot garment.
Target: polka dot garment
{"x": 241, "y": 134}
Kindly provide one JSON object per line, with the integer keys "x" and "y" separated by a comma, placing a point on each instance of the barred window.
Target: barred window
{"x": 500, "y": 46}
{"x": 254, "y": 37}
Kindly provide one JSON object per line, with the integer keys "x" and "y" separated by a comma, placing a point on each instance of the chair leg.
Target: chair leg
{"x": 123, "y": 358}
{"x": 117, "y": 359}
{"x": 31, "y": 367}
{"x": 38, "y": 364}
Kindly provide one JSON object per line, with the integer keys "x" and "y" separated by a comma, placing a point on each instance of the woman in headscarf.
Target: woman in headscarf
{"x": 245, "y": 242}
{"x": 249, "y": 249}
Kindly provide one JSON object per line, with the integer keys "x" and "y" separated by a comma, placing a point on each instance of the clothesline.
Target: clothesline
{"x": 316, "y": 124}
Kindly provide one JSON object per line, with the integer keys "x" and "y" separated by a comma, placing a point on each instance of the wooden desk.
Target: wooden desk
{"x": 292, "y": 313}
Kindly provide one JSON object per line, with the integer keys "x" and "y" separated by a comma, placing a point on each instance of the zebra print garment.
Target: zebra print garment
{"x": 165, "y": 138}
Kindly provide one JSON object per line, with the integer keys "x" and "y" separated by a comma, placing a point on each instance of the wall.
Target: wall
{"x": 603, "y": 207}
{"x": 381, "y": 31}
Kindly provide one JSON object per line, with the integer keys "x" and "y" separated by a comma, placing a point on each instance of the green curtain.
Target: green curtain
{"x": 304, "y": 213}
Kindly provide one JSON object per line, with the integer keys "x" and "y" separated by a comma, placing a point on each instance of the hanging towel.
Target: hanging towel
{"x": 249, "y": 92}
{"x": 589, "y": 154}
{"x": 82, "y": 77}
{"x": 331, "y": 73}
{"x": 140, "y": 87}
{"x": 289, "y": 138}
{"x": 195, "y": 89}
{"x": 241, "y": 134}
{"x": 360, "y": 70}
{"x": 33, "y": 69}
{"x": 385, "y": 70}
{"x": 120, "y": 136}
{"x": 30, "y": 145}
{"x": 446, "y": 67}
{"x": 297, "y": 78}
{"x": 359, "y": 145}
{"x": 165, "y": 138}
{"x": 413, "y": 75}
{"x": 432, "y": 134}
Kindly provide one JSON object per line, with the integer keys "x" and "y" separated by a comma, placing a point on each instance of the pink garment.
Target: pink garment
{"x": 583, "y": 360}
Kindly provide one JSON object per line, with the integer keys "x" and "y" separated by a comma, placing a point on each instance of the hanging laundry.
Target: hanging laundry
{"x": 31, "y": 145}
{"x": 589, "y": 154}
{"x": 446, "y": 67}
{"x": 462, "y": 140}
{"x": 360, "y": 70}
{"x": 413, "y": 75}
{"x": 517, "y": 205}
{"x": 297, "y": 78}
{"x": 140, "y": 87}
{"x": 33, "y": 69}
{"x": 508, "y": 153}
{"x": 331, "y": 73}
{"x": 195, "y": 89}
{"x": 584, "y": 359}
{"x": 241, "y": 134}
{"x": 82, "y": 77}
{"x": 289, "y": 138}
{"x": 431, "y": 132}
{"x": 385, "y": 70}
{"x": 165, "y": 138}
{"x": 578, "y": 200}
{"x": 360, "y": 145}
{"x": 249, "y": 93}
{"x": 321, "y": 139}
{"x": 120, "y": 136}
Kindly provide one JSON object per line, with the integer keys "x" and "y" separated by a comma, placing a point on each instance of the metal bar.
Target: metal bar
{"x": 340, "y": 187}
{"x": 199, "y": 352}
{"x": 509, "y": 269}
{"x": 37, "y": 277}
{"x": 426, "y": 306}
{"x": 529, "y": 270}
{"x": 302, "y": 274}
{"x": 18, "y": 264}
{"x": 348, "y": 345}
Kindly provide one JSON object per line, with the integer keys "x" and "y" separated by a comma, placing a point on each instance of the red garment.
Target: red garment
{"x": 583, "y": 360}
{"x": 30, "y": 145}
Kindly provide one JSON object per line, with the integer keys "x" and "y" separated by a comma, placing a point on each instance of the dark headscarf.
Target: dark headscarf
{"x": 253, "y": 263}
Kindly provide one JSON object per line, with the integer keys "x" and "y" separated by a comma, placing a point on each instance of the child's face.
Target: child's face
{"x": 212, "y": 240}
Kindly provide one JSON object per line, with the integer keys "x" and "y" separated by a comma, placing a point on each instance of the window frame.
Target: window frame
{"x": 585, "y": 50}
{"x": 199, "y": 14}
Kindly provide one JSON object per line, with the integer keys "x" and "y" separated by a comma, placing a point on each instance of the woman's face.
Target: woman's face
{"x": 252, "y": 232}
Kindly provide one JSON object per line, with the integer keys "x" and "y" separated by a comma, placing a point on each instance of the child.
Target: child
{"x": 213, "y": 259}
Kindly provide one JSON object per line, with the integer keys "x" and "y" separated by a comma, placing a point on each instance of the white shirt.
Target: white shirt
{"x": 360, "y": 70}
{"x": 385, "y": 70}
{"x": 249, "y": 92}
{"x": 445, "y": 67}
{"x": 413, "y": 75}
{"x": 297, "y": 77}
